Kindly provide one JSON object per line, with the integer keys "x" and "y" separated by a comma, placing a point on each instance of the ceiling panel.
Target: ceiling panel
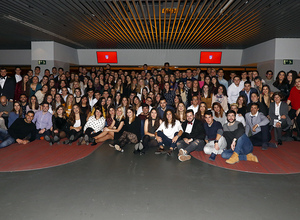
{"x": 162, "y": 24}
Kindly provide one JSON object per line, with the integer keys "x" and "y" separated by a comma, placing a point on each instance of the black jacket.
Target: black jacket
{"x": 8, "y": 89}
{"x": 198, "y": 131}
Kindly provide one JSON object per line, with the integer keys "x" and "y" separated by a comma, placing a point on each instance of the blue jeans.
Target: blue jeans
{"x": 5, "y": 138}
{"x": 243, "y": 147}
{"x": 166, "y": 141}
{"x": 195, "y": 145}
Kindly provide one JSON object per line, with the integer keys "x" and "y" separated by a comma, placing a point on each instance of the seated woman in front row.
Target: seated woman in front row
{"x": 59, "y": 129}
{"x": 93, "y": 127}
{"x": 132, "y": 131}
{"x": 75, "y": 125}
{"x": 114, "y": 129}
{"x": 168, "y": 133}
{"x": 150, "y": 126}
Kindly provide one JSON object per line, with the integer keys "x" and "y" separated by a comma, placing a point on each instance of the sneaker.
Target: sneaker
{"x": 66, "y": 142}
{"x": 86, "y": 139}
{"x": 80, "y": 141}
{"x": 47, "y": 138}
{"x": 118, "y": 148}
{"x": 169, "y": 153}
{"x": 181, "y": 152}
{"x": 72, "y": 138}
{"x": 56, "y": 139}
{"x": 183, "y": 158}
{"x": 212, "y": 157}
{"x": 160, "y": 151}
{"x": 111, "y": 145}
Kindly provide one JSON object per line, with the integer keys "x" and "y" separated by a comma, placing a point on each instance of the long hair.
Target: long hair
{"x": 20, "y": 111}
{"x": 36, "y": 105}
{"x": 294, "y": 76}
{"x": 198, "y": 114}
{"x": 71, "y": 119}
{"x": 224, "y": 90}
{"x": 119, "y": 118}
{"x": 217, "y": 114}
{"x": 88, "y": 109}
{"x": 63, "y": 113}
{"x": 244, "y": 100}
{"x": 133, "y": 113}
{"x": 277, "y": 83}
{"x": 165, "y": 120}
{"x": 156, "y": 123}
{"x": 25, "y": 87}
{"x": 177, "y": 114}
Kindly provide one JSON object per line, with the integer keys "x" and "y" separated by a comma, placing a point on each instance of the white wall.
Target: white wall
{"x": 15, "y": 57}
{"x": 158, "y": 57}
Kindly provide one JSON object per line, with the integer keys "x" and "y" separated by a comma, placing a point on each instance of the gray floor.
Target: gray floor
{"x": 112, "y": 185}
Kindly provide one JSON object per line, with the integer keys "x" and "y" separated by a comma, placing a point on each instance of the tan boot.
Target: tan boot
{"x": 233, "y": 159}
{"x": 251, "y": 157}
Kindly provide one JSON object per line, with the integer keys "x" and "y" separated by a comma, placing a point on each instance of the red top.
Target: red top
{"x": 295, "y": 98}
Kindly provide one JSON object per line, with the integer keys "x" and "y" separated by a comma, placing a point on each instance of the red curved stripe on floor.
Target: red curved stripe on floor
{"x": 39, "y": 155}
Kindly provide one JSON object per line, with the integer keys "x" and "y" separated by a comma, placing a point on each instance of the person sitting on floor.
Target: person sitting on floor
{"x": 293, "y": 99}
{"x": 239, "y": 146}
{"x": 21, "y": 131}
{"x": 257, "y": 128}
{"x": 43, "y": 121}
{"x": 192, "y": 137}
{"x": 93, "y": 127}
{"x": 168, "y": 133}
{"x": 215, "y": 142}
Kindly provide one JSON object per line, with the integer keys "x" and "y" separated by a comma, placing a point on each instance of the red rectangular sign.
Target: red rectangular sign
{"x": 210, "y": 57}
{"x": 107, "y": 57}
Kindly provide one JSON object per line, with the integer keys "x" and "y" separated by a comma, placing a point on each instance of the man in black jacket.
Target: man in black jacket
{"x": 7, "y": 85}
{"x": 21, "y": 131}
{"x": 192, "y": 137}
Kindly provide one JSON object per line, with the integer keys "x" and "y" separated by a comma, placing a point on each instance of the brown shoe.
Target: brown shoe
{"x": 233, "y": 159}
{"x": 251, "y": 157}
{"x": 160, "y": 151}
{"x": 169, "y": 153}
{"x": 183, "y": 158}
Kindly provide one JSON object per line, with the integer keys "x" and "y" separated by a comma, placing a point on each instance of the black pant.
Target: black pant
{"x": 149, "y": 142}
{"x": 264, "y": 136}
{"x": 89, "y": 131}
{"x": 77, "y": 134}
{"x": 292, "y": 114}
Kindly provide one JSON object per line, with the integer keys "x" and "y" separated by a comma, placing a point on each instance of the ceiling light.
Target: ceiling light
{"x": 226, "y": 6}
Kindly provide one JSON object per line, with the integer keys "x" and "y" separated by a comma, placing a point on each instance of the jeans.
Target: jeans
{"x": 264, "y": 136}
{"x": 5, "y": 138}
{"x": 166, "y": 141}
{"x": 242, "y": 148}
{"x": 195, "y": 145}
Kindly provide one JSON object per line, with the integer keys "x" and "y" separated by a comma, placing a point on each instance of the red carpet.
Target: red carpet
{"x": 283, "y": 160}
{"x": 39, "y": 154}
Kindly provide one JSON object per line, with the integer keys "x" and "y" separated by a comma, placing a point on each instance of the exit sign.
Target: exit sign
{"x": 42, "y": 62}
{"x": 287, "y": 62}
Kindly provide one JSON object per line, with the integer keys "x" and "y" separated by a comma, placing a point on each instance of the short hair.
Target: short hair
{"x": 30, "y": 111}
{"x": 231, "y": 111}
{"x": 145, "y": 105}
{"x": 258, "y": 77}
{"x": 247, "y": 82}
{"x": 236, "y": 77}
{"x": 162, "y": 99}
{"x": 190, "y": 111}
{"x": 167, "y": 63}
{"x": 45, "y": 103}
{"x": 256, "y": 104}
{"x": 279, "y": 94}
{"x": 208, "y": 112}
{"x": 37, "y": 67}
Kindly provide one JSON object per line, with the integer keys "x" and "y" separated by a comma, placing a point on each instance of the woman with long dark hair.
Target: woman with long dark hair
{"x": 242, "y": 107}
{"x": 168, "y": 133}
{"x": 150, "y": 126}
{"x": 201, "y": 111}
{"x": 281, "y": 83}
{"x": 220, "y": 96}
{"x": 132, "y": 131}
{"x": 85, "y": 106}
{"x": 15, "y": 113}
{"x": 76, "y": 122}
{"x": 59, "y": 129}
{"x": 218, "y": 113}
{"x": 22, "y": 87}
{"x": 33, "y": 104}
{"x": 206, "y": 96}
{"x": 93, "y": 127}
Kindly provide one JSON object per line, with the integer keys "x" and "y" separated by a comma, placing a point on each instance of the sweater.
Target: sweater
{"x": 21, "y": 129}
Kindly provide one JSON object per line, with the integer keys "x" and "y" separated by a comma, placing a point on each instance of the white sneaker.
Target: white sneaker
{"x": 118, "y": 148}
{"x": 181, "y": 152}
{"x": 111, "y": 145}
{"x": 183, "y": 158}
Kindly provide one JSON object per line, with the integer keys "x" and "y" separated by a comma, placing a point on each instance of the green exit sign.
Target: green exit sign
{"x": 287, "y": 62}
{"x": 42, "y": 62}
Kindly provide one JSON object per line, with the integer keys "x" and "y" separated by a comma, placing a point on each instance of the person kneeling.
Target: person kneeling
{"x": 215, "y": 142}
{"x": 239, "y": 146}
{"x": 192, "y": 137}
{"x": 20, "y": 131}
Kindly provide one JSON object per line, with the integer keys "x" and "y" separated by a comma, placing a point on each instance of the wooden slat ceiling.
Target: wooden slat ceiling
{"x": 162, "y": 24}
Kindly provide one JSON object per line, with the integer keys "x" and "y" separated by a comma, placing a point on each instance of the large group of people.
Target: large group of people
{"x": 190, "y": 110}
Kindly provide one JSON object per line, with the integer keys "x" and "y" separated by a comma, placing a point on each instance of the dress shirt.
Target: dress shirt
{"x": 18, "y": 78}
{"x": 2, "y": 81}
{"x": 42, "y": 120}
{"x": 189, "y": 127}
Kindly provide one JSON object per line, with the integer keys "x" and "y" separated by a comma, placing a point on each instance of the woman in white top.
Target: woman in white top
{"x": 168, "y": 133}
{"x": 40, "y": 95}
{"x": 93, "y": 127}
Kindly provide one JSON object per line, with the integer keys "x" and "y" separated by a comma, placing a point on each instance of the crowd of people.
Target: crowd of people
{"x": 190, "y": 110}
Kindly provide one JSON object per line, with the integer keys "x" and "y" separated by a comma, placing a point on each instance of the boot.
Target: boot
{"x": 251, "y": 157}
{"x": 49, "y": 139}
{"x": 80, "y": 141}
{"x": 233, "y": 159}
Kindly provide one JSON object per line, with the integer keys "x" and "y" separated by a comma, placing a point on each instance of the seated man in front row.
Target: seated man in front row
{"x": 257, "y": 128}
{"x": 239, "y": 146}
{"x": 215, "y": 142}
{"x": 21, "y": 131}
{"x": 192, "y": 137}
